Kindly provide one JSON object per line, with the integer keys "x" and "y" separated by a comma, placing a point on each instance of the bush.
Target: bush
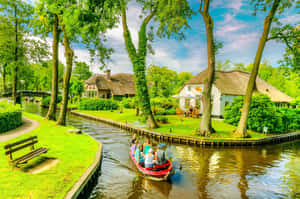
{"x": 162, "y": 119}
{"x": 263, "y": 112}
{"x": 10, "y": 117}
{"x": 46, "y": 100}
{"x": 290, "y": 118}
{"x": 129, "y": 102}
{"x": 98, "y": 104}
{"x": 166, "y": 103}
{"x": 162, "y": 111}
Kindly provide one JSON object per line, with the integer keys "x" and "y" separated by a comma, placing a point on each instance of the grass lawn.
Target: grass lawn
{"x": 75, "y": 153}
{"x": 179, "y": 125}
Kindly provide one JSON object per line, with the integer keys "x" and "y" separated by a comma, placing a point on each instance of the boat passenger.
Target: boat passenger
{"x": 160, "y": 156}
{"x": 147, "y": 146}
{"x": 149, "y": 159}
{"x": 133, "y": 139}
{"x": 139, "y": 154}
{"x": 133, "y": 147}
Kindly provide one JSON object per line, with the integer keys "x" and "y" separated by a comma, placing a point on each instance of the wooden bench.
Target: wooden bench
{"x": 17, "y": 146}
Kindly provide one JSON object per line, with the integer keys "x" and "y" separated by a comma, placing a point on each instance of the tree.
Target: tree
{"x": 82, "y": 71}
{"x": 18, "y": 13}
{"x": 163, "y": 81}
{"x": 223, "y": 66}
{"x": 205, "y": 127}
{"x": 86, "y": 20}
{"x": 76, "y": 88}
{"x": 6, "y": 48}
{"x": 48, "y": 21}
{"x": 171, "y": 16}
{"x": 276, "y": 5}
{"x": 290, "y": 36}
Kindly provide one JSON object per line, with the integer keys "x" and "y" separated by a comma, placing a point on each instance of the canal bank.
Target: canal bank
{"x": 70, "y": 166}
{"x": 193, "y": 140}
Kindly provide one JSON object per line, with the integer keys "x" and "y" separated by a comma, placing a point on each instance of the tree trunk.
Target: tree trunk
{"x": 51, "y": 115}
{"x": 15, "y": 78}
{"x": 241, "y": 131}
{"x": 138, "y": 60}
{"x": 205, "y": 127}
{"x": 69, "y": 59}
{"x": 4, "y": 78}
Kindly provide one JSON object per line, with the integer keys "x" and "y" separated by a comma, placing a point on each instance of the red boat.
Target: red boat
{"x": 158, "y": 172}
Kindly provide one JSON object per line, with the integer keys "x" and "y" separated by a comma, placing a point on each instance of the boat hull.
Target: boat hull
{"x": 158, "y": 172}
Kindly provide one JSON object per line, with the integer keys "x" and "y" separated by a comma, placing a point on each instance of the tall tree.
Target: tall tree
{"x": 86, "y": 20}
{"x": 172, "y": 16}
{"x": 18, "y": 13}
{"x": 48, "y": 22}
{"x": 276, "y": 5}
{"x": 205, "y": 127}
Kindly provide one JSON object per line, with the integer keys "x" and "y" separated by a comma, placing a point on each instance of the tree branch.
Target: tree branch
{"x": 149, "y": 17}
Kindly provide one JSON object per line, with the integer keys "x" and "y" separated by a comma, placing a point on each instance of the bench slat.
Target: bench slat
{"x": 30, "y": 155}
{"x": 19, "y": 142}
{"x": 20, "y": 147}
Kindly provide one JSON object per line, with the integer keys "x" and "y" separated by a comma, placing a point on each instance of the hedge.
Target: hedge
{"x": 46, "y": 100}
{"x": 10, "y": 116}
{"x": 263, "y": 112}
{"x": 98, "y": 104}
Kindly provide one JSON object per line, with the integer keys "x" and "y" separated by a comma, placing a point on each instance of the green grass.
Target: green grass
{"x": 179, "y": 125}
{"x": 75, "y": 153}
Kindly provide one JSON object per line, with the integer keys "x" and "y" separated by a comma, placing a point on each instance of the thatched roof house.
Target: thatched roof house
{"x": 106, "y": 86}
{"x": 227, "y": 85}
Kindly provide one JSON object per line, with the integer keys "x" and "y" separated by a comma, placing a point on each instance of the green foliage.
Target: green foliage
{"x": 81, "y": 71}
{"x": 166, "y": 103}
{"x": 262, "y": 113}
{"x": 98, "y": 104}
{"x": 162, "y": 119}
{"x": 130, "y": 102}
{"x": 296, "y": 101}
{"x": 10, "y": 116}
{"x": 290, "y": 118}
{"x": 46, "y": 100}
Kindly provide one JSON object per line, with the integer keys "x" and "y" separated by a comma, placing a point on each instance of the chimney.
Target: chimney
{"x": 108, "y": 74}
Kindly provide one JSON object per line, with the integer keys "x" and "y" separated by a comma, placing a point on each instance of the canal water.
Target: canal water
{"x": 201, "y": 172}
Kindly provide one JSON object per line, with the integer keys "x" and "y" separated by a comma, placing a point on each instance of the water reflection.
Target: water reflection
{"x": 253, "y": 172}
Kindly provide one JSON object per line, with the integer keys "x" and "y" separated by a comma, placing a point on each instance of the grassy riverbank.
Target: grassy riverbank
{"x": 179, "y": 125}
{"x": 74, "y": 152}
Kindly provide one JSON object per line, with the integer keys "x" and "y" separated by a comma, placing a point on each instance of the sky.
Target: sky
{"x": 234, "y": 25}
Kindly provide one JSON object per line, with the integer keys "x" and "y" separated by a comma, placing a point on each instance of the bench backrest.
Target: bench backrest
{"x": 16, "y": 146}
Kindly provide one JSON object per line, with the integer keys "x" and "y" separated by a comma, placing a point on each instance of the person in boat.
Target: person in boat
{"x": 160, "y": 156}
{"x": 149, "y": 159}
{"x": 133, "y": 139}
{"x": 146, "y": 146}
{"x": 139, "y": 157}
{"x": 133, "y": 147}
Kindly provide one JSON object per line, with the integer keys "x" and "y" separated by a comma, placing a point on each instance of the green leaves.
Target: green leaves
{"x": 10, "y": 116}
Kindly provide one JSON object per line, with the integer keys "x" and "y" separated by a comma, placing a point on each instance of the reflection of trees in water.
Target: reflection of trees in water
{"x": 218, "y": 167}
{"x": 291, "y": 176}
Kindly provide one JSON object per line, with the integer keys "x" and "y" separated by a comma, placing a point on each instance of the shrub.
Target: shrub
{"x": 98, "y": 104}
{"x": 46, "y": 100}
{"x": 166, "y": 103}
{"x": 162, "y": 111}
{"x": 10, "y": 117}
{"x": 162, "y": 119}
{"x": 263, "y": 112}
{"x": 129, "y": 102}
{"x": 290, "y": 118}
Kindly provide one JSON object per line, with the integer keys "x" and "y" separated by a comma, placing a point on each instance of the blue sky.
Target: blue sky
{"x": 234, "y": 25}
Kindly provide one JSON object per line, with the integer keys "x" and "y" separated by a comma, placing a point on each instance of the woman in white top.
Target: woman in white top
{"x": 149, "y": 159}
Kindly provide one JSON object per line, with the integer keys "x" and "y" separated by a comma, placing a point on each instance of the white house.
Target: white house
{"x": 227, "y": 86}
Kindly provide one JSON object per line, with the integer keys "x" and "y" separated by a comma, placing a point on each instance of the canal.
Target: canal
{"x": 201, "y": 172}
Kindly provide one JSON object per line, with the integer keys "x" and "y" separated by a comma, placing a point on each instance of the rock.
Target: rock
{"x": 76, "y": 131}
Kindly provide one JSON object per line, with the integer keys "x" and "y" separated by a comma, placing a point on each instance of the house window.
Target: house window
{"x": 226, "y": 103}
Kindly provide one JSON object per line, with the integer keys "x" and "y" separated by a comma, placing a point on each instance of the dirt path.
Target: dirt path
{"x": 27, "y": 126}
